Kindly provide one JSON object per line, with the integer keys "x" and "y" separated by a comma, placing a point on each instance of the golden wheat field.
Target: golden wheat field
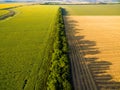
{"x": 95, "y": 39}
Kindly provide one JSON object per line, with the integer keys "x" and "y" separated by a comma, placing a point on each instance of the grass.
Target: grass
{"x": 92, "y": 9}
{"x": 2, "y": 12}
{"x": 24, "y": 48}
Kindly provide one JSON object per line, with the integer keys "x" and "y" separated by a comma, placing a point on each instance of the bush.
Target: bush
{"x": 60, "y": 77}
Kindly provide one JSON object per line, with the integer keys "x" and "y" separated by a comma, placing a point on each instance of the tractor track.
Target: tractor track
{"x": 82, "y": 77}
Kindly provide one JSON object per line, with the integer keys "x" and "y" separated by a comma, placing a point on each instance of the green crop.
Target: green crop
{"x": 113, "y": 9}
{"x": 25, "y": 47}
{"x": 2, "y": 12}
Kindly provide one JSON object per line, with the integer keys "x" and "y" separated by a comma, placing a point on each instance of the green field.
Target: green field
{"x": 92, "y": 9}
{"x": 25, "y": 42}
{"x": 2, "y": 12}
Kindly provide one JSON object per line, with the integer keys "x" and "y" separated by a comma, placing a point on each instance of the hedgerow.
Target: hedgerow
{"x": 59, "y": 77}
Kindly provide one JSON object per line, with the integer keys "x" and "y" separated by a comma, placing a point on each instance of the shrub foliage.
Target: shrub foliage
{"x": 59, "y": 77}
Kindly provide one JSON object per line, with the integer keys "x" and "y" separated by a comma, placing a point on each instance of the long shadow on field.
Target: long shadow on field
{"x": 83, "y": 57}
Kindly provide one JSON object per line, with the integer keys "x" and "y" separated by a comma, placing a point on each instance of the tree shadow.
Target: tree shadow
{"x": 64, "y": 11}
{"x": 91, "y": 65}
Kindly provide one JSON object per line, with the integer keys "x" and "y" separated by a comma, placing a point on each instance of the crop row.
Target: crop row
{"x": 25, "y": 48}
{"x": 59, "y": 77}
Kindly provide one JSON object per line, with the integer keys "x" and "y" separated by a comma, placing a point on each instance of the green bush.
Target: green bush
{"x": 60, "y": 77}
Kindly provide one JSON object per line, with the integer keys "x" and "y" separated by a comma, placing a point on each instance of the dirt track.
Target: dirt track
{"x": 9, "y": 14}
{"x": 94, "y": 51}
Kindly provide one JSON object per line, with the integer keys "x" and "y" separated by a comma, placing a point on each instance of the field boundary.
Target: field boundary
{"x": 59, "y": 77}
{"x": 11, "y": 13}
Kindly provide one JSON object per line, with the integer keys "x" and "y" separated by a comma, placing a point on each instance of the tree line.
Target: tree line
{"x": 60, "y": 76}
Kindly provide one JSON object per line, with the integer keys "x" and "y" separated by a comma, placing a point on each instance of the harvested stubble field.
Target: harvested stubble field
{"x": 94, "y": 51}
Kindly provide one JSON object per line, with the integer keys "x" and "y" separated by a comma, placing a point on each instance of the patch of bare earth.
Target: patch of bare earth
{"x": 94, "y": 43}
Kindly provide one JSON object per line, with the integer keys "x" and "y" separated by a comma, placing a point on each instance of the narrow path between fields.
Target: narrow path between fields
{"x": 7, "y": 15}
